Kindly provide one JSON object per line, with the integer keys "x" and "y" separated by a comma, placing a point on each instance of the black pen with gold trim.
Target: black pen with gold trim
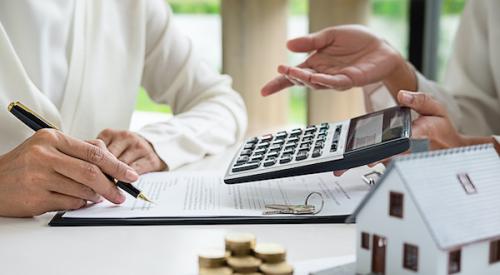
{"x": 36, "y": 122}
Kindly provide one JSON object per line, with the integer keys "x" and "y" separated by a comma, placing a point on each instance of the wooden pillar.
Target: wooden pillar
{"x": 328, "y": 105}
{"x": 254, "y": 34}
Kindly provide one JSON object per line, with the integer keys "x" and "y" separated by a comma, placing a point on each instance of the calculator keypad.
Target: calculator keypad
{"x": 287, "y": 146}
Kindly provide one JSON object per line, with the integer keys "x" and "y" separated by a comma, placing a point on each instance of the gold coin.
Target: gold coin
{"x": 216, "y": 271}
{"x": 240, "y": 244}
{"x": 270, "y": 252}
{"x": 212, "y": 257}
{"x": 282, "y": 268}
{"x": 245, "y": 264}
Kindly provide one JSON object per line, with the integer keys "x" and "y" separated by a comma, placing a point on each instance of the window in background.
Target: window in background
{"x": 200, "y": 20}
{"x": 450, "y": 18}
{"x": 389, "y": 20}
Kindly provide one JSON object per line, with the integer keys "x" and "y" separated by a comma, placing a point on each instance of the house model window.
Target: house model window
{"x": 410, "y": 257}
{"x": 454, "y": 262}
{"x": 495, "y": 252}
{"x": 396, "y": 204}
{"x": 467, "y": 183}
{"x": 365, "y": 240}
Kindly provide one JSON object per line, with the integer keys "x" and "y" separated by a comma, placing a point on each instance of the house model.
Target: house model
{"x": 433, "y": 213}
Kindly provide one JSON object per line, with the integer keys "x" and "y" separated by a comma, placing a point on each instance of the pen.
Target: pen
{"x": 36, "y": 122}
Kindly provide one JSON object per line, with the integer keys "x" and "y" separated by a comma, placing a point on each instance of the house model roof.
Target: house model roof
{"x": 453, "y": 216}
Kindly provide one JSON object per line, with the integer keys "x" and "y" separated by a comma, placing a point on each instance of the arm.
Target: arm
{"x": 208, "y": 114}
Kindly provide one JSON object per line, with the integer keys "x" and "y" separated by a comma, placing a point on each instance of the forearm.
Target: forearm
{"x": 402, "y": 78}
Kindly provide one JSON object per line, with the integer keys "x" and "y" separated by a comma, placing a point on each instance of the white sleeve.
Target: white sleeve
{"x": 468, "y": 92}
{"x": 208, "y": 114}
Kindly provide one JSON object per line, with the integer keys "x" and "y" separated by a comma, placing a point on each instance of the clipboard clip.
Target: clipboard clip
{"x": 371, "y": 177}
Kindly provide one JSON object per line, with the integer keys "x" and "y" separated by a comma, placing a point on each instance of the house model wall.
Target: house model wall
{"x": 433, "y": 213}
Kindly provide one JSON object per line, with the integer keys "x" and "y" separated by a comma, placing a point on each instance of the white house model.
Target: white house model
{"x": 433, "y": 213}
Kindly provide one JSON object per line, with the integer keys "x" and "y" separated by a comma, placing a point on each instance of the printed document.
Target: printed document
{"x": 204, "y": 194}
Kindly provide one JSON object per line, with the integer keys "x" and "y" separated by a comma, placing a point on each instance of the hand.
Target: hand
{"x": 133, "y": 150}
{"x": 433, "y": 123}
{"x": 51, "y": 171}
{"x": 344, "y": 57}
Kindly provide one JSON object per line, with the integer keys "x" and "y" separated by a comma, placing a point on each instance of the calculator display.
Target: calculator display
{"x": 375, "y": 128}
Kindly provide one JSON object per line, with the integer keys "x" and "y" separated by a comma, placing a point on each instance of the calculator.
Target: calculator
{"x": 323, "y": 147}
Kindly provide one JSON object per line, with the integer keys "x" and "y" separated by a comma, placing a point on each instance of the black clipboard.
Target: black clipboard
{"x": 59, "y": 220}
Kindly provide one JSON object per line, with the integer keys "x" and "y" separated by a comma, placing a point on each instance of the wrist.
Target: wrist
{"x": 403, "y": 77}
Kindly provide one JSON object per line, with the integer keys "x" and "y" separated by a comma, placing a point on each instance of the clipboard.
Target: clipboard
{"x": 340, "y": 197}
{"x": 59, "y": 220}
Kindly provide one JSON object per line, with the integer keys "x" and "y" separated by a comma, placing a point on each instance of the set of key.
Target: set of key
{"x": 293, "y": 209}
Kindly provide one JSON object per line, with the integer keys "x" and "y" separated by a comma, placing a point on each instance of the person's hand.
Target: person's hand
{"x": 433, "y": 123}
{"x": 51, "y": 171}
{"x": 133, "y": 150}
{"x": 344, "y": 57}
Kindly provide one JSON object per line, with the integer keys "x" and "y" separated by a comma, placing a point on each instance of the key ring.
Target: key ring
{"x": 322, "y": 201}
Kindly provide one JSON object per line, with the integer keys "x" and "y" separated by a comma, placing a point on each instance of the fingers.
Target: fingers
{"x": 338, "y": 82}
{"x": 422, "y": 103}
{"x": 339, "y": 172}
{"x": 277, "y": 84}
{"x": 312, "y": 42}
{"x": 129, "y": 156}
{"x": 98, "y": 156}
{"x": 66, "y": 186}
{"x": 89, "y": 175}
{"x": 142, "y": 166}
{"x": 58, "y": 202}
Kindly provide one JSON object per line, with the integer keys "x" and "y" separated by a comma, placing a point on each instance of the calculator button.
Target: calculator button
{"x": 273, "y": 155}
{"x": 285, "y": 159}
{"x": 281, "y": 135}
{"x": 333, "y": 148}
{"x": 319, "y": 144}
{"x": 256, "y": 158}
{"x": 246, "y": 152}
{"x": 305, "y": 146}
{"x": 246, "y": 167}
{"x": 274, "y": 147}
{"x": 292, "y": 140}
{"x": 308, "y": 138}
{"x": 253, "y": 140}
{"x": 268, "y": 163}
{"x": 301, "y": 155}
{"x": 242, "y": 159}
{"x": 279, "y": 142}
{"x": 290, "y": 151}
{"x": 338, "y": 129}
{"x": 266, "y": 138}
{"x": 259, "y": 152}
{"x": 249, "y": 146}
{"x": 321, "y": 137}
{"x": 316, "y": 153}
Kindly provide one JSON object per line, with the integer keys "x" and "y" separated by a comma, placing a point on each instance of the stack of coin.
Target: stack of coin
{"x": 244, "y": 256}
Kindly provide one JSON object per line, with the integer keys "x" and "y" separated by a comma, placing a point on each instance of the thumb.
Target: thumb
{"x": 312, "y": 42}
{"x": 422, "y": 103}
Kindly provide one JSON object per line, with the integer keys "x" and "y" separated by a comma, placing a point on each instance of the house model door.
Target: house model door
{"x": 378, "y": 254}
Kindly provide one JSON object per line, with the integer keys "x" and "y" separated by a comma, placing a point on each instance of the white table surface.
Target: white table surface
{"x": 30, "y": 246}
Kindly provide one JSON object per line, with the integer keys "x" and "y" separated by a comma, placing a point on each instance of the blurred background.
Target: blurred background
{"x": 246, "y": 39}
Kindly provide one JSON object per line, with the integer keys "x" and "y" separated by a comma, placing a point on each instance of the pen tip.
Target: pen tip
{"x": 144, "y": 198}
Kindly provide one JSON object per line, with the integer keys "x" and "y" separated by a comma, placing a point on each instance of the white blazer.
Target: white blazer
{"x": 117, "y": 46}
{"x": 471, "y": 89}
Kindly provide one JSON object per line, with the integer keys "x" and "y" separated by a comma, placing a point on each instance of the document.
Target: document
{"x": 204, "y": 194}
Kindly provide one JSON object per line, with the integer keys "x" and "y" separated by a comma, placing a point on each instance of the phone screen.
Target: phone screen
{"x": 375, "y": 128}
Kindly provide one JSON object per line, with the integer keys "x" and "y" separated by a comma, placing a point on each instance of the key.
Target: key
{"x": 246, "y": 152}
{"x": 246, "y": 167}
{"x": 302, "y": 155}
{"x": 298, "y": 209}
{"x": 242, "y": 159}
{"x": 285, "y": 159}
{"x": 316, "y": 153}
{"x": 270, "y": 162}
{"x": 267, "y": 138}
